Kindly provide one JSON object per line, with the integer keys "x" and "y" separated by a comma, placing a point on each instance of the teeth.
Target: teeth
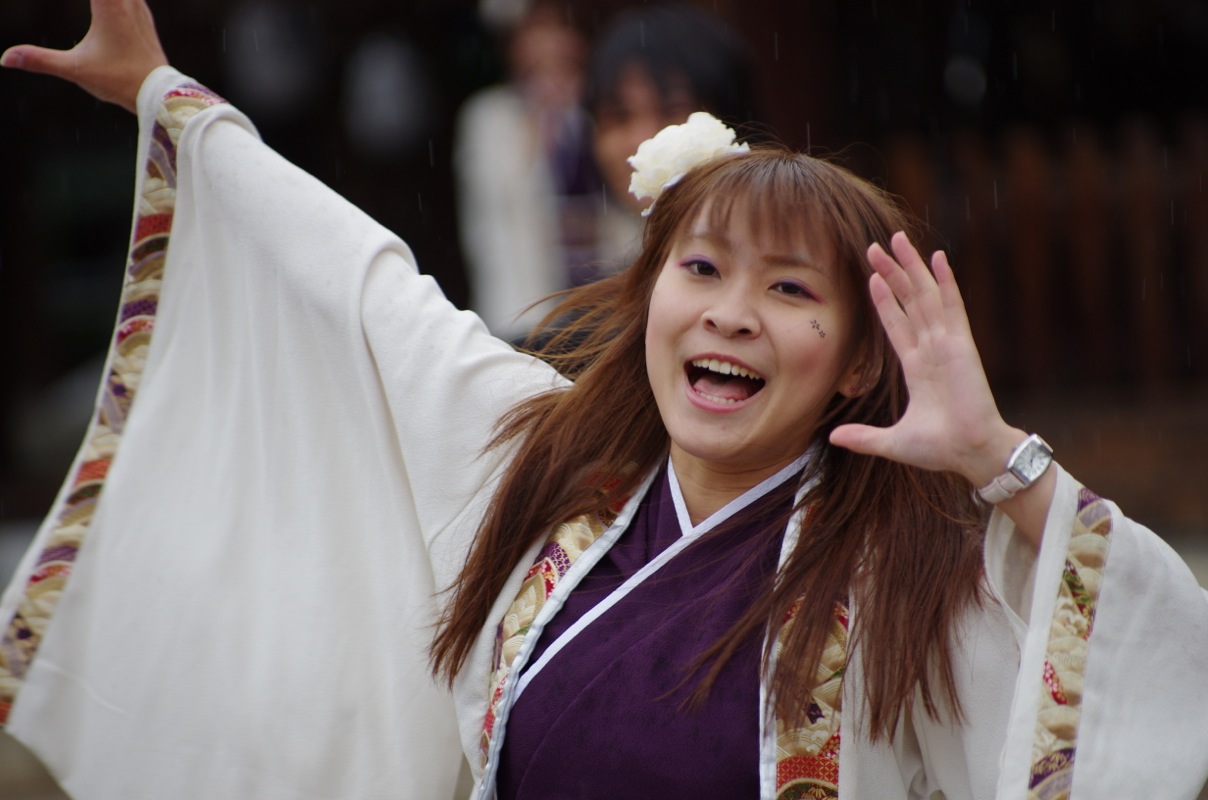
{"x": 728, "y": 401}
{"x": 725, "y": 368}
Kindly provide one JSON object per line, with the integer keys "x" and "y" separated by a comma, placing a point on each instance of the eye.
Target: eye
{"x": 792, "y": 289}
{"x": 699, "y": 266}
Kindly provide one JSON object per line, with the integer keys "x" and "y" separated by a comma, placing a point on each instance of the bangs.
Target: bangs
{"x": 777, "y": 196}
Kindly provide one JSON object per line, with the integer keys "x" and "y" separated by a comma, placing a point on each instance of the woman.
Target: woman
{"x": 733, "y": 485}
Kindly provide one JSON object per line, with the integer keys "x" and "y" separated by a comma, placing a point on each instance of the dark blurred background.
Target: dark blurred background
{"x": 1057, "y": 149}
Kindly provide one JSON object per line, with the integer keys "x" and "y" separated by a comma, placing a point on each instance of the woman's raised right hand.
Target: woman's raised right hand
{"x": 110, "y": 62}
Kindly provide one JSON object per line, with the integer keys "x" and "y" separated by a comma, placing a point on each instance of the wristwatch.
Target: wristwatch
{"x": 1027, "y": 463}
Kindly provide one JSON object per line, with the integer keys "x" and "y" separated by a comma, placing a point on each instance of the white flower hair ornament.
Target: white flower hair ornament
{"x": 662, "y": 160}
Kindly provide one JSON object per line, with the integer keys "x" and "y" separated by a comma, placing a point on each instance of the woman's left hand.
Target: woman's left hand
{"x": 951, "y": 420}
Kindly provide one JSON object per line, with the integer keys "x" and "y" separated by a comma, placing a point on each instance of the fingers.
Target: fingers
{"x": 931, "y": 295}
{"x": 864, "y": 439}
{"x": 14, "y": 57}
{"x": 920, "y": 277}
{"x": 41, "y": 60}
{"x": 897, "y": 325}
{"x": 907, "y": 275}
{"x": 120, "y": 49}
{"x": 905, "y": 270}
{"x": 950, "y": 293}
{"x": 890, "y": 271}
{"x": 911, "y": 305}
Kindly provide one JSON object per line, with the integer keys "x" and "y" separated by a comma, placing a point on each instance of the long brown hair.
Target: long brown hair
{"x": 902, "y": 543}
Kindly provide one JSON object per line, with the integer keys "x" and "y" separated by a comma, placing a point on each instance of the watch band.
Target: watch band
{"x": 1004, "y": 486}
{"x": 1028, "y": 461}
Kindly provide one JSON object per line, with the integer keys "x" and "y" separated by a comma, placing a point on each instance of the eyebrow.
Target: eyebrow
{"x": 788, "y": 259}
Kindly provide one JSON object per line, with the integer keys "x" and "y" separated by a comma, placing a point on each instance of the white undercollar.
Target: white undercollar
{"x": 734, "y": 506}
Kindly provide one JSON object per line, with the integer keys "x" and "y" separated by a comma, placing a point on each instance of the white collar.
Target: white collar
{"x": 734, "y": 506}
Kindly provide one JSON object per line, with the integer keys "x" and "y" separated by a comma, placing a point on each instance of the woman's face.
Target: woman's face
{"x": 547, "y": 63}
{"x": 638, "y": 112}
{"x": 746, "y": 342}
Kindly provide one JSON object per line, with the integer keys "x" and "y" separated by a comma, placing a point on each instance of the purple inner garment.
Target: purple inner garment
{"x": 608, "y": 716}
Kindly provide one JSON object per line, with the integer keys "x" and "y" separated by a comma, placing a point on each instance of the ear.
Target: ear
{"x": 859, "y": 377}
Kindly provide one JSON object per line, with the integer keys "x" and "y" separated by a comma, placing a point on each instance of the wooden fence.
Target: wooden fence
{"x": 1083, "y": 261}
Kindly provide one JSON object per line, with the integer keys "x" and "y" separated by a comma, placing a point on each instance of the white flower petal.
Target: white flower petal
{"x": 663, "y": 160}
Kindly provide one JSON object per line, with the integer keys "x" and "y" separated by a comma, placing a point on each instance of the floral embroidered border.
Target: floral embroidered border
{"x": 565, "y": 545}
{"x": 1060, "y": 712}
{"x": 131, "y": 339}
{"x": 807, "y": 757}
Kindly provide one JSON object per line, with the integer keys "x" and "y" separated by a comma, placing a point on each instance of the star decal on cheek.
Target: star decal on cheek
{"x": 818, "y": 327}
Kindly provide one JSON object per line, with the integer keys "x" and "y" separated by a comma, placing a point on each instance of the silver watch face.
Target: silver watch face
{"x": 1031, "y": 461}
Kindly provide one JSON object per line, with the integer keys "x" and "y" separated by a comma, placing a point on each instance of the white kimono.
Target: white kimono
{"x": 234, "y": 593}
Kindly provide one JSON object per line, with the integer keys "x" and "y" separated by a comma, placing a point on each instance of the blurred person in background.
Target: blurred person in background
{"x": 543, "y": 183}
{"x": 653, "y": 67}
{"x": 527, "y": 187}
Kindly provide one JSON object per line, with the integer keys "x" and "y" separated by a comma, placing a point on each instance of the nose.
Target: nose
{"x": 732, "y": 314}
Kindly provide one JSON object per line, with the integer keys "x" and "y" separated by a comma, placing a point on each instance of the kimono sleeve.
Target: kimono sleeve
{"x": 234, "y": 592}
{"x": 1109, "y": 700}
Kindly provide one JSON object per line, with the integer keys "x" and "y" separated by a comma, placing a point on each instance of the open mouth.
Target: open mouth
{"x": 722, "y": 381}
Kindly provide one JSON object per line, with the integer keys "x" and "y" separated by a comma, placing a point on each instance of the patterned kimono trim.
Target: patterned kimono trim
{"x": 73, "y": 512}
{"x": 565, "y": 545}
{"x": 807, "y": 758}
{"x": 1060, "y": 709}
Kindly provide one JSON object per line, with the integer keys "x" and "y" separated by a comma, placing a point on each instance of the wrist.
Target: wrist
{"x": 988, "y": 458}
{"x": 1027, "y": 462}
